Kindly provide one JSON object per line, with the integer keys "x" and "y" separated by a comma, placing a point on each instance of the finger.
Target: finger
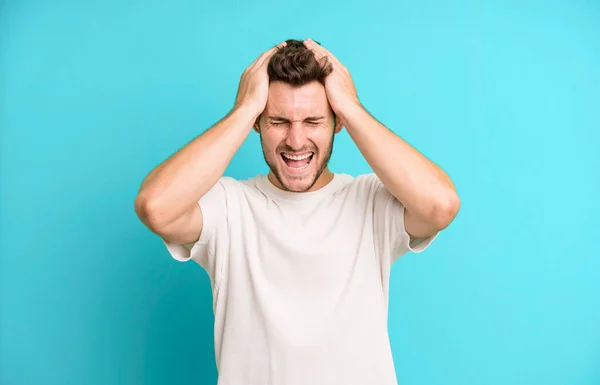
{"x": 323, "y": 56}
{"x": 257, "y": 60}
{"x": 260, "y": 57}
{"x": 315, "y": 47}
{"x": 267, "y": 55}
{"x": 321, "y": 52}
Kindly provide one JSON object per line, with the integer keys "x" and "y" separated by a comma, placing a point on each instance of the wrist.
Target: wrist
{"x": 245, "y": 113}
{"x": 351, "y": 112}
{"x": 249, "y": 109}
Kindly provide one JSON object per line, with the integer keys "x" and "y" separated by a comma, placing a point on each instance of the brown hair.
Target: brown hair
{"x": 296, "y": 65}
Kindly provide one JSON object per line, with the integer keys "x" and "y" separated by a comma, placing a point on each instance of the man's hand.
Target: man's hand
{"x": 253, "y": 89}
{"x": 339, "y": 85}
{"x": 167, "y": 202}
{"x": 423, "y": 188}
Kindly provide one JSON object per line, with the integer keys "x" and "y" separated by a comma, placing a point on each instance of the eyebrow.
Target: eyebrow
{"x": 281, "y": 118}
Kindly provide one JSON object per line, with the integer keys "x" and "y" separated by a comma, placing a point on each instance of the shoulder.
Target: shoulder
{"x": 225, "y": 189}
{"x": 367, "y": 180}
{"x": 368, "y": 183}
{"x": 231, "y": 183}
{"x": 234, "y": 187}
{"x": 368, "y": 187}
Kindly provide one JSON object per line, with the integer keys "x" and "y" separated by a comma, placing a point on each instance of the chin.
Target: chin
{"x": 295, "y": 185}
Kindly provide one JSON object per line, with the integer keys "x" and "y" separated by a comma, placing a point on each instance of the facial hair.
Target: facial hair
{"x": 273, "y": 165}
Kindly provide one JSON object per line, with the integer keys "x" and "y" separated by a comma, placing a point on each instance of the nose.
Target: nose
{"x": 296, "y": 136}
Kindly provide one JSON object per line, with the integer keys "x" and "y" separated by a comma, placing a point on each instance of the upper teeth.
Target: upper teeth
{"x": 297, "y": 157}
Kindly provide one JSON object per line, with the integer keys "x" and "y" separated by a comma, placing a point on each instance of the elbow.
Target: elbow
{"x": 445, "y": 210}
{"x": 149, "y": 212}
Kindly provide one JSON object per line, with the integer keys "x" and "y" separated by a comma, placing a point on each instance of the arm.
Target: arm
{"x": 167, "y": 202}
{"x": 426, "y": 192}
{"x": 423, "y": 188}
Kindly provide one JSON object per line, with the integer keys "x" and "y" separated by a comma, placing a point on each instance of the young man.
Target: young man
{"x": 299, "y": 259}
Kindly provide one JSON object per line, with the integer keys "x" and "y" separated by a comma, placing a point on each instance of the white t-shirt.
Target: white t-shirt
{"x": 300, "y": 280}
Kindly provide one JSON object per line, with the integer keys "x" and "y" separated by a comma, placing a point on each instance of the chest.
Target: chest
{"x": 307, "y": 272}
{"x": 313, "y": 249}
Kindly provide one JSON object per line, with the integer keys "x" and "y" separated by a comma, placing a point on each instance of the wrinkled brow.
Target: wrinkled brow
{"x": 283, "y": 119}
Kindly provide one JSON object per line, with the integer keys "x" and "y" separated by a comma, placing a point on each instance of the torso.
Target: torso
{"x": 300, "y": 299}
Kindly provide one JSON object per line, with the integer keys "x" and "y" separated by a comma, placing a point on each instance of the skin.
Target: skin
{"x": 298, "y": 121}
{"x": 167, "y": 200}
{"x": 425, "y": 190}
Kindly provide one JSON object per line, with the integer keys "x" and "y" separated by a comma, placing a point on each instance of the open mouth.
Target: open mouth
{"x": 297, "y": 162}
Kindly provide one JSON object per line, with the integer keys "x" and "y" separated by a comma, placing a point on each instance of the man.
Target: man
{"x": 299, "y": 259}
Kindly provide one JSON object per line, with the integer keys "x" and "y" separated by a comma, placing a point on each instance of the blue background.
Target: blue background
{"x": 505, "y": 96}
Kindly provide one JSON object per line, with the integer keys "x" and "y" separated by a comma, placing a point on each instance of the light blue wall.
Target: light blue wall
{"x": 504, "y": 95}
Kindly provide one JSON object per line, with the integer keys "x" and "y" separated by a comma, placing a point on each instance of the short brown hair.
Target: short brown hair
{"x": 296, "y": 65}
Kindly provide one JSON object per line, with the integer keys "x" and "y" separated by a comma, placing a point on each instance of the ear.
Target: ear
{"x": 256, "y": 125}
{"x": 338, "y": 125}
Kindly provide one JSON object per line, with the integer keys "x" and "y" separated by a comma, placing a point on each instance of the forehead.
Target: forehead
{"x": 297, "y": 102}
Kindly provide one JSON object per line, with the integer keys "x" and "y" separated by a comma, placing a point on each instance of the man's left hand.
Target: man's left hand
{"x": 339, "y": 85}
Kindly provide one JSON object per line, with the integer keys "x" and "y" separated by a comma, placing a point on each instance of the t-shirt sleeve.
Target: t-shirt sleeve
{"x": 214, "y": 227}
{"x": 390, "y": 233}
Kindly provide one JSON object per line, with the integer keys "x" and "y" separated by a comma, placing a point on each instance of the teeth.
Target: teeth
{"x": 297, "y": 157}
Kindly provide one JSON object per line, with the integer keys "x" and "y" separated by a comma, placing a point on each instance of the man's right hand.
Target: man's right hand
{"x": 253, "y": 89}
{"x": 167, "y": 202}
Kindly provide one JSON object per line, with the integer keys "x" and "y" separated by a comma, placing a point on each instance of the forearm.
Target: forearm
{"x": 180, "y": 181}
{"x": 421, "y": 186}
